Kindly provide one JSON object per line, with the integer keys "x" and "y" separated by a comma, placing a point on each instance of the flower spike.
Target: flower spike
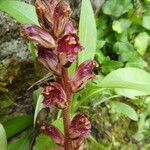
{"x": 38, "y": 35}
{"x": 54, "y": 95}
{"x": 83, "y": 74}
{"x": 53, "y": 133}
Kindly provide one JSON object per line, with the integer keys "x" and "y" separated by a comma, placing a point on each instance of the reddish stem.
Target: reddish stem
{"x": 66, "y": 111}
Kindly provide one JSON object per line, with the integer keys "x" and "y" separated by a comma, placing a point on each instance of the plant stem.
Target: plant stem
{"x": 66, "y": 111}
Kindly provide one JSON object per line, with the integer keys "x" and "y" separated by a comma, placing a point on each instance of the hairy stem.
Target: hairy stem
{"x": 66, "y": 111}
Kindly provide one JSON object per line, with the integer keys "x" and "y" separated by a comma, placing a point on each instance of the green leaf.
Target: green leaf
{"x": 131, "y": 78}
{"x": 141, "y": 42}
{"x": 121, "y": 25}
{"x": 87, "y": 32}
{"x": 116, "y": 8}
{"x": 3, "y": 138}
{"x": 130, "y": 93}
{"x": 38, "y": 97}
{"x": 146, "y": 22}
{"x": 16, "y": 124}
{"x": 44, "y": 142}
{"x": 125, "y": 110}
{"x": 22, "y": 143}
{"x": 59, "y": 124}
{"x": 22, "y": 12}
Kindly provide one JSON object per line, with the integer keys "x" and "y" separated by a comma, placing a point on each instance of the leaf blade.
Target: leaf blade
{"x": 87, "y": 27}
{"x": 3, "y": 141}
{"x": 22, "y": 12}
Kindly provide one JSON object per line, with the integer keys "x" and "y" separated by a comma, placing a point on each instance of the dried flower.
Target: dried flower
{"x": 54, "y": 95}
{"x": 36, "y": 34}
{"x": 45, "y": 13}
{"x": 83, "y": 74}
{"x": 68, "y": 46}
{"x": 53, "y": 133}
{"x": 80, "y": 126}
{"x": 49, "y": 60}
{"x": 61, "y": 17}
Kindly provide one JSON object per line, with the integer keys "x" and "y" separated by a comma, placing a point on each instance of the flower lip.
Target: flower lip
{"x": 54, "y": 95}
{"x": 69, "y": 45}
{"x": 83, "y": 74}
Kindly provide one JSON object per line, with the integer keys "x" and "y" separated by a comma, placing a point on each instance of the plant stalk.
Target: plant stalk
{"x": 66, "y": 111}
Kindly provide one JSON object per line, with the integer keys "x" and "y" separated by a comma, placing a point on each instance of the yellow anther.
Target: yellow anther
{"x": 72, "y": 42}
{"x": 87, "y": 123}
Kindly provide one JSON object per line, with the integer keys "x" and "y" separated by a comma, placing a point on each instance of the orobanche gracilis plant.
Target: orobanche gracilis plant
{"x": 58, "y": 45}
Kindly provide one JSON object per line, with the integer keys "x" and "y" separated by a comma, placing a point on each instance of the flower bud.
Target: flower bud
{"x": 82, "y": 75}
{"x": 61, "y": 17}
{"x": 68, "y": 47}
{"x": 53, "y": 133}
{"x": 38, "y": 35}
{"x": 45, "y": 12}
{"x": 80, "y": 126}
{"x": 54, "y": 95}
{"x": 49, "y": 60}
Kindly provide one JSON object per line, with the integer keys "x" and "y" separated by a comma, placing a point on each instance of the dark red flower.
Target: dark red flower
{"x": 80, "y": 126}
{"x": 36, "y": 34}
{"x": 83, "y": 74}
{"x": 53, "y": 133}
{"x": 49, "y": 60}
{"x": 61, "y": 17}
{"x": 54, "y": 95}
{"x": 45, "y": 13}
{"x": 68, "y": 47}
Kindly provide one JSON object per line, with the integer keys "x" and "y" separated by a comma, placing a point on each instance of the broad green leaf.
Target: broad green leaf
{"x": 141, "y": 42}
{"x": 116, "y": 8}
{"x": 87, "y": 32}
{"x": 121, "y": 25}
{"x": 130, "y": 93}
{"x": 38, "y": 97}
{"x": 17, "y": 124}
{"x": 3, "y": 138}
{"x": 146, "y": 22}
{"x": 125, "y": 110}
{"x": 44, "y": 142}
{"x": 22, "y": 143}
{"x": 131, "y": 78}
{"x": 22, "y": 12}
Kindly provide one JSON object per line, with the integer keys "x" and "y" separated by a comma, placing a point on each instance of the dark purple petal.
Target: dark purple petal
{"x": 61, "y": 17}
{"x": 54, "y": 95}
{"x": 83, "y": 74}
{"x": 45, "y": 12}
{"x": 36, "y": 34}
{"x": 69, "y": 46}
{"x": 49, "y": 60}
{"x": 53, "y": 133}
{"x": 80, "y": 126}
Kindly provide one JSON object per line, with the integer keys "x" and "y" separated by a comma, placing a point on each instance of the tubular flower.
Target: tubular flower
{"x": 53, "y": 133}
{"x": 54, "y": 95}
{"x": 83, "y": 74}
{"x": 45, "y": 12}
{"x": 68, "y": 48}
{"x": 61, "y": 17}
{"x": 37, "y": 35}
{"x": 80, "y": 126}
{"x": 49, "y": 60}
